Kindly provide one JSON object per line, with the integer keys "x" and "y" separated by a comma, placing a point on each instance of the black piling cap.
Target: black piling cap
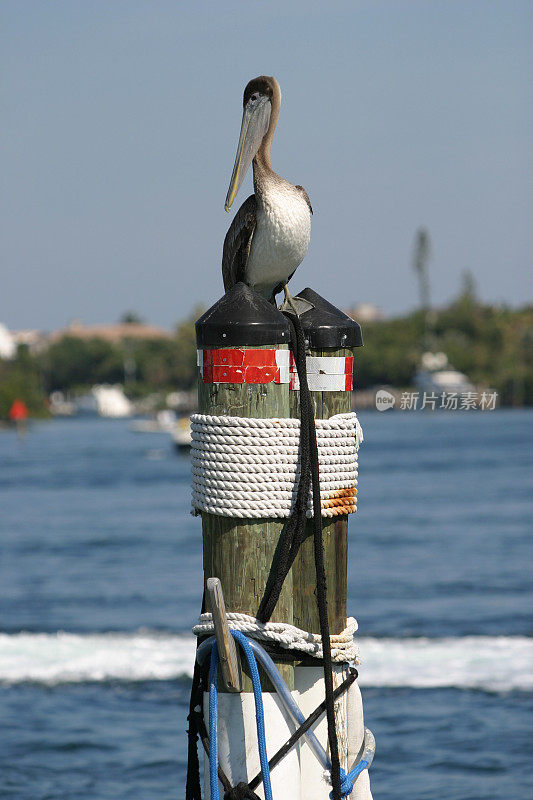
{"x": 241, "y": 318}
{"x": 328, "y": 326}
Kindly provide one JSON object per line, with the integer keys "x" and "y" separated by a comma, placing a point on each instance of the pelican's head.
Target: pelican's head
{"x": 261, "y": 95}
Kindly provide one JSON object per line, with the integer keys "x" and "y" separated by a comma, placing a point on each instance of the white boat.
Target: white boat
{"x": 181, "y": 435}
{"x": 437, "y": 375}
{"x": 163, "y": 422}
{"x": 60, "y": 406}
{"x": 106, "y": 401}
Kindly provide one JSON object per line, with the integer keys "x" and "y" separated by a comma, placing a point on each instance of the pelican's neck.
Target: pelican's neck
{"x": 262, "y": 164}
{"x": 265, "y": 180}
{"x": 263, "y": 172}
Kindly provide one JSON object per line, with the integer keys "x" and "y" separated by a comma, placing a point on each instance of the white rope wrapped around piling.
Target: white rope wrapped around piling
{"x": 343, "y": 646}
{"x": 248, "y": 468}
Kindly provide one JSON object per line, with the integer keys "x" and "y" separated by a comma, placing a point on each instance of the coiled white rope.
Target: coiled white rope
{"x": 227, "y": 451}
{"x": 343, "y": 647}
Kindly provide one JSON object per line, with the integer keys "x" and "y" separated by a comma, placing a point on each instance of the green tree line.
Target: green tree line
{"x": 493, "y": 346}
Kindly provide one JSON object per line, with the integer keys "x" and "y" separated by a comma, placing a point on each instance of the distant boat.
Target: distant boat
{"x": 163, "y": 422}
{"x": 60, "y": 406}
{"x": 437, "y": 375}
{"x": 105, "y": 401}
{"x": 181, "y": 435}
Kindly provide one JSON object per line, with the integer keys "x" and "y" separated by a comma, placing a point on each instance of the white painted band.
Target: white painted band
{"x": 320, "y": 383}
{"x": 283, "y": 358}
{"x": 325, "y": 374}
{"x": 324, "y": 365}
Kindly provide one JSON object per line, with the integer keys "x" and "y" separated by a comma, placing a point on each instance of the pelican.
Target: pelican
{"x": 270, "y": 232}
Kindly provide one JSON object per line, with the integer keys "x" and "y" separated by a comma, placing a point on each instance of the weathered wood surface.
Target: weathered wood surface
{"x": 335, "y": 532}
{"x": 240, "y": 551}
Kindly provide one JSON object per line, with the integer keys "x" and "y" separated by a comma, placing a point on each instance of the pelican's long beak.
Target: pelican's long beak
{"x": 255, "y": 121}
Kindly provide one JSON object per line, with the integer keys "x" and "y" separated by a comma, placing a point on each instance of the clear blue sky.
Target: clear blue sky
{"x": 120, "y": 122}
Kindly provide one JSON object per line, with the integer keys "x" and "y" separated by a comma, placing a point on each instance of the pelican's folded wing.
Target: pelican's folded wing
{"x": 237, "y": 243}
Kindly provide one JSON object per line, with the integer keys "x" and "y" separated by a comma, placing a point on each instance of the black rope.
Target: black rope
{"x": 283, "y": 750}
{"x": 193, "y": 790}
{"x": 242, "y": 791}
{"x": 204, "y": 736}
{"x": 282, "y": 655}
{"x": 304, "y": 727}
{"x": 294, "y": 531}
{"x": 308, "y": 420}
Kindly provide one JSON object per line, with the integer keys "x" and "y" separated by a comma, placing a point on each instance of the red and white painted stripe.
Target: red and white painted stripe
{"x": 244, "y": 366}
{"x": 232, "y": 365}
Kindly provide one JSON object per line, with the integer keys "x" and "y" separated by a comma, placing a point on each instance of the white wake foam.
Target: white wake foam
{"x": 500, "y": 663}
{"x": 73, "y": 658}
{"x": 471, "y": 662}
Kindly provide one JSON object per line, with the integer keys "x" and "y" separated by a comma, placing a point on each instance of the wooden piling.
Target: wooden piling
{"x": 324, "y": 325}
{"x": 240, "y": 551}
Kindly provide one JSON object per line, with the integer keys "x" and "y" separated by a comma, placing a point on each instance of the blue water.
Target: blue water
{"x": 96, "y": 536}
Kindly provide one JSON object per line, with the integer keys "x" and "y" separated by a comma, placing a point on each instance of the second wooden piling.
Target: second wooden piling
{"x": 331, "y": 337}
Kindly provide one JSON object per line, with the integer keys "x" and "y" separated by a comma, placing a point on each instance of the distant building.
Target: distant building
{"x": 31, "y": 338}
{"x": 110, "y": 333}
{"x": 8, "y": 348}
{"x": 365, "y": 312}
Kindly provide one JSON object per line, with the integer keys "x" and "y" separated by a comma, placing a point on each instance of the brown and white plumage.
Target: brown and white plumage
{"x": 269, "y": 235}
